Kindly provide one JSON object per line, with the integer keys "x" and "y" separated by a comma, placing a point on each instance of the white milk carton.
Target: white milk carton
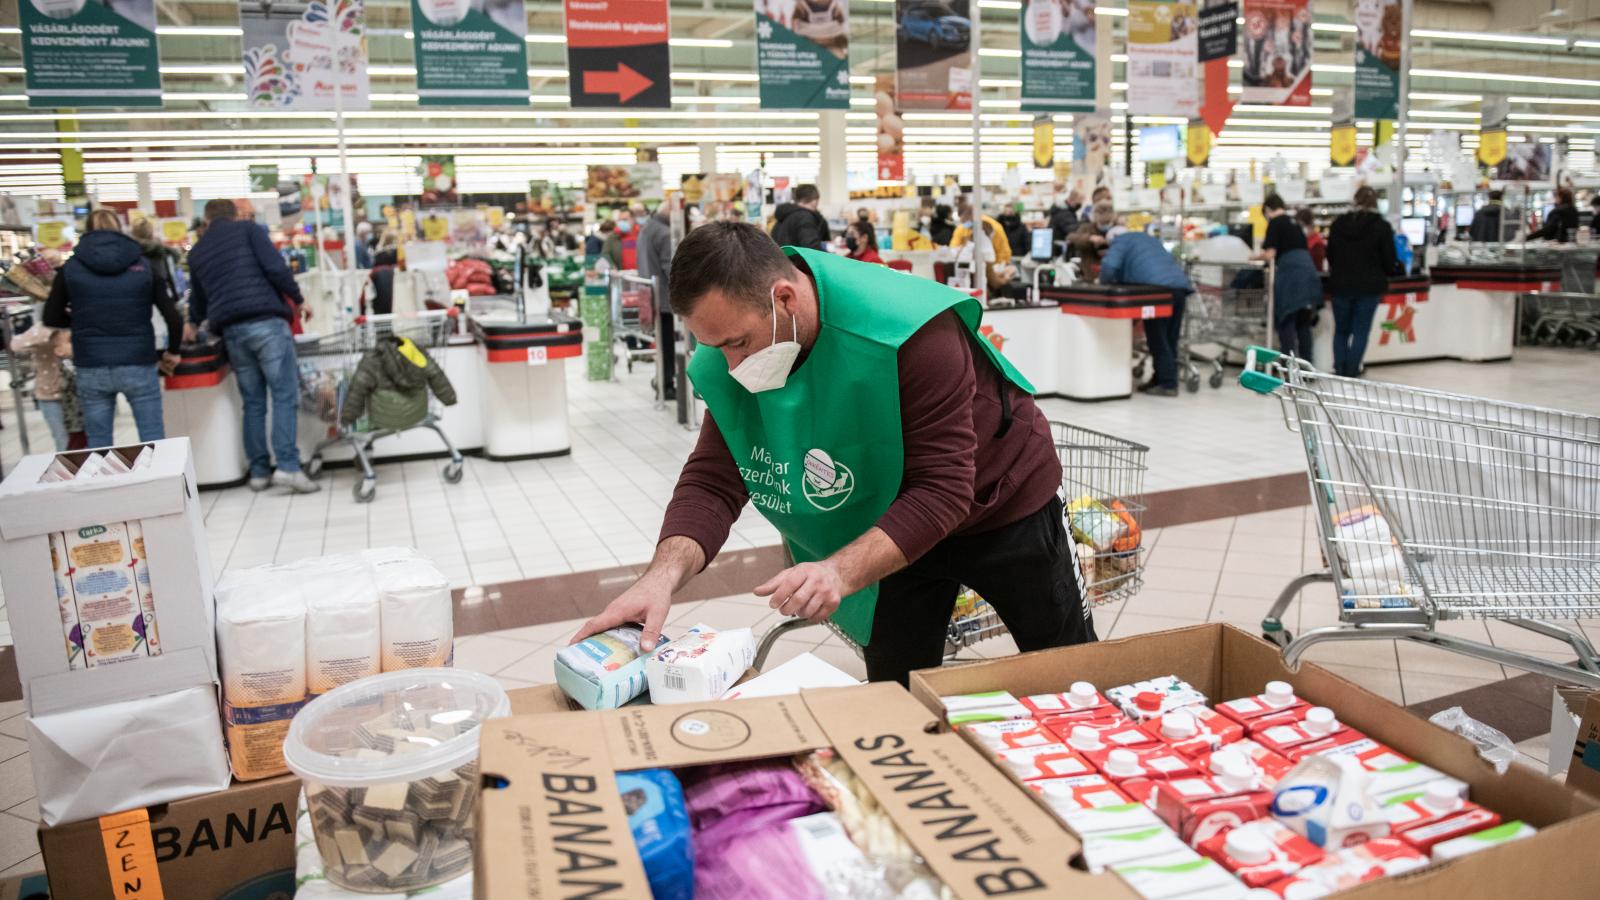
{"x": 1327, "y": 801}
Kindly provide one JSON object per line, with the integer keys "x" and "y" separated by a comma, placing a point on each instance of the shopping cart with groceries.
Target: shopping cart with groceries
{"x": 634, "y": 322}
{"x": 1432, "y": 507}
{"x": 1229, "y": 312}
{"x": 327, "y": 367}
{"x": 1102, "y": 490}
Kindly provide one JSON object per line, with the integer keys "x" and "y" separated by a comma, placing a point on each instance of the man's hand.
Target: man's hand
{"x": 646, "y": 602}
{"x": 305, "y": 312}
{"x": 190, "y": 333}
{"x": 169, "y": 363}
{"x": 809, "y": 591}
{"x": 1098, "y": 240}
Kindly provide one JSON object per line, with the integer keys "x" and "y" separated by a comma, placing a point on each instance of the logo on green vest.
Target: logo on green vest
{"x": 827, "y": 484}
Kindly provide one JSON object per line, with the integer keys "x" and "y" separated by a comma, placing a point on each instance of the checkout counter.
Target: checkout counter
{"x": 1465, "y": 312}
{"x": 524, "y": 384}
{"x": 1077, "y": 341}
{"x": 200, "y": 401}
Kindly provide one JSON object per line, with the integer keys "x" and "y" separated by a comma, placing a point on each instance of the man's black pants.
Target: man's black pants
{"x": 1028, "y": 571}
{"x": 1162, "y": 336}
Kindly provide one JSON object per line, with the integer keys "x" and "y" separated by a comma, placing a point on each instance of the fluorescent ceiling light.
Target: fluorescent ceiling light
{"x": 1558, "y": 101}
{"x": 1338, "y": 27}
{"x": 1480, "y": 37}
{"x": 999, "y": 51}
{"x": 1499, "y": 76}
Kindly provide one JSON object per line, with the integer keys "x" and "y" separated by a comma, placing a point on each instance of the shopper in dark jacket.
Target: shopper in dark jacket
{"x": 384, "y": 265}
{"x": 1296, "y": 286}
{"x": 240, "y": 288}
{"x": 1486, "y": 222}
{"x": 105, "y": 294}
{"x": 798, "y": 223}
{"x": 942, "y": 228}
{"x": 655, "y": 261}
{"x": 391, "y": 385}
{"x": 1562, "y": 223}
{"x": 1361, "y": 257}
{"x": 1064, "y": 220}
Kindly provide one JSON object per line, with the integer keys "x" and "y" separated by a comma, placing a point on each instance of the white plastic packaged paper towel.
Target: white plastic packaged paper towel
{"x": 415, "y": 611}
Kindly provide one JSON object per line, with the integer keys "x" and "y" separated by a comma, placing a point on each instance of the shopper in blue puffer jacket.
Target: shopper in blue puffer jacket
{"x": 241, "y": 289}
{"x": 105, "y": 294}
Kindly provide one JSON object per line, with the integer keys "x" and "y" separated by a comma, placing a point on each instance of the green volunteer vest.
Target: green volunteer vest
{"x": 822, "y": 456}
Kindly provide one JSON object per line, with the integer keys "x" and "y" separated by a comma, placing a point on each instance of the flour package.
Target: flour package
{"x": 342, "y": 621}
{"x": 415, "y": 610}
{"x": 261, "y": 644}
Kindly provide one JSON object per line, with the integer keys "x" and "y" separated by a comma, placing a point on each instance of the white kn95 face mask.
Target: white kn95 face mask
{"x": 767, "y": 369}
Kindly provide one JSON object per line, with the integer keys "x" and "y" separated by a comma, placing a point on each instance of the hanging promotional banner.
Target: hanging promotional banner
{"x": 1342, "y": 145}
{"x": 1058, "y": 56}
{"x": 1197, "y": 146}
{"x": 295, "y": 53}
{"x": 1219, "y": 30}
{"x": 1377, "y": 78}
{"x": 439, "y": 181}
{"x": 615, "y": 185}
{"x": 933, "y": 54}
{"x": 1277, "y": 52}
{"x": 470, "y": 52}
{"x": 1496, "y": 111}
{"x": 1044, "y": 142}
{"x": 263, "y": 179}
{"x": 1163, "y": 58}
{"x": 891, "y": 131}
{"x": 803, "y": 54}
{"x": 617, "y": 54}
{"x": 81, "y": 53}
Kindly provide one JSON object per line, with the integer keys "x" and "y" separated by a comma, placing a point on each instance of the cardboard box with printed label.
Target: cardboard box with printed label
{"x": 1224, "y": 662}
{"x": 143, "y": 730}
{"x": 558, "y": 827}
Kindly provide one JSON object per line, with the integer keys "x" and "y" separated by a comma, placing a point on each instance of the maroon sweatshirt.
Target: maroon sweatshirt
{"x": 960, "y": 478}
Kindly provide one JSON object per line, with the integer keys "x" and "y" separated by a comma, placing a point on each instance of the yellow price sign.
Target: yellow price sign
{"x": 408, "y": 222}
{"x": 1342, "y": 145}
{"x": 1198, "y": 146}
{"x": 174, "y": 231}
{"x": 497, "y": 216}
{"x": 50, "y": 234}
{"x": 1044, "y": 142}
{"x": 435, "y": 228}
{"x": 1491, "y": 147}
{"x": 1158, "y": 178}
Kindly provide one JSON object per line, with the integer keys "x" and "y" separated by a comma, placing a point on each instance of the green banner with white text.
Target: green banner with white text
{"x": 81, "y": 53}
{"x": 803, "y": 53}
{"x": 1377, "y": 76}
{"x": 1058, "y": 56}
{"x": 470, "y": 52}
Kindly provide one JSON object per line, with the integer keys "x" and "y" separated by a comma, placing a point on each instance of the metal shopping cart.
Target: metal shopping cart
{"x": 1228, "y": 313}
{"x": 1102, "y": 487}
{"x": 1434, "y": 506}
{"x": 1561, "y": 319}
{"x": 326, "y": 368}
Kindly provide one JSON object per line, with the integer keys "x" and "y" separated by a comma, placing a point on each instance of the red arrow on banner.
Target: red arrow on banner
{"x": 1215, "y": 104}
{"x": 624, "y": 82}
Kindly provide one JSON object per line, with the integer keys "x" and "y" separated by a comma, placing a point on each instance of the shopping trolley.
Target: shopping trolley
{"x": 634, "y": 323}
{"x": 1102, "y": 488}
{"x": 1434, "y": 506}
{"x": 325, "y": 371}
{"x": 1231, "y": 310}
{"x": 1562, "y": 319}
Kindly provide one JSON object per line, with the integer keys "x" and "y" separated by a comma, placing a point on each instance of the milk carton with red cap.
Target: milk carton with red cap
{"x": 1080, "y": 699}
{"x": 1146, "y": 700}
{"x": 1269, "y": 765}
{"x": 1064, "y": 795}
{"x": 1122, "y": 763}
{"x": 1314, "y": 724}
{"x": 1261, "y": 852}
{"x": 1104, "y": 721}
{"x": 1141, "y": 790}
{"x": 1194, "y": 730}
{"x": 1277, "y": 699}
{"x": 1388, "y": 771}
{"x": 1433, "y": 814}
{"x": 997, "y": 736}
{"x": 1377, "y": 858}
{"x": 1043, "y": 761}
{"x": 1206, "y": 805}
{"x": 1326, "y": 799}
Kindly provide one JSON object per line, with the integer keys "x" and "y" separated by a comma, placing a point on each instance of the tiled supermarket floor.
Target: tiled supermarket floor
{"x": 600, "y": 507}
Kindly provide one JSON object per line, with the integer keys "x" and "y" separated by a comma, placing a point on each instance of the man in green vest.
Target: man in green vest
{"x": 897, "y": 452}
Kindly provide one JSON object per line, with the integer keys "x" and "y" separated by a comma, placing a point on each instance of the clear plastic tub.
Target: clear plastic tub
{"x": 390, "y": 766}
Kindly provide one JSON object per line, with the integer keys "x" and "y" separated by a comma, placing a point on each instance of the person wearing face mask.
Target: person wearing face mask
{"x": 898, "y": 453}
{"x": 941, "y": 228}
{"x": 1133, "y": 257}
{"x": 861, "y": 239}
{"x": 1002, "y": 246}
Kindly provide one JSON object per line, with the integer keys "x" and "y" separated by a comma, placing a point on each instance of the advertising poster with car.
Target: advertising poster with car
{"x": 933, "y": 54}
{"x": 1377, "y": 79}
{"x": 1058, "y": 56}
{"x": 1277, "y": 52}
{"x": 891, "y": 131}
{"x": 803, "y": 53}
{"x": 470, "y": 52}
{"x": 1163, "y": 59}
{"x": 90, "y": 53}
{"x": 617, "y": 54}
{"x": 295, "y": 54}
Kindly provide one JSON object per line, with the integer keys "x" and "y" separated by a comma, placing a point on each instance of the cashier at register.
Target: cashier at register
{"x": 899, "y": 454}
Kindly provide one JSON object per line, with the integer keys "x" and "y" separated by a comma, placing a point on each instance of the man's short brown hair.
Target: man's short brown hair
{"x": 221, "y": 209}
{"x": 736, "y": 258}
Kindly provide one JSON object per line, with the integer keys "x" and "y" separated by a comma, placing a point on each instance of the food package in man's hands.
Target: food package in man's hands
{"x": 659, "y": 820}
{"x": 702, "y": 665}
{"x": 417, "y": 617}
{"x": 605, "y": 670}
{"x": 1094, "y": 524}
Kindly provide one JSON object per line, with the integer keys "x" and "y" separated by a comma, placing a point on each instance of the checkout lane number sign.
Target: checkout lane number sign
{"x": 538, "y": 356}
